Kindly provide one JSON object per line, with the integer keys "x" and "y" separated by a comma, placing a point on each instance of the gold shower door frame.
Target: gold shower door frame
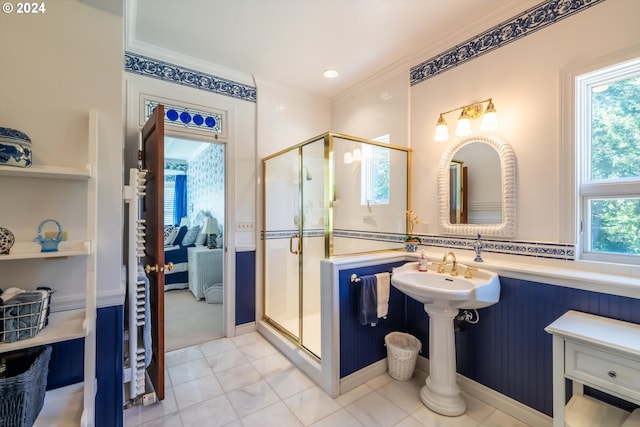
{"x": 298, "y": 241}
{"x": 327, "y": 140}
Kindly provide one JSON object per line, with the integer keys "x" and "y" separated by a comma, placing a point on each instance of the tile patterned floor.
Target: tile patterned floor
{"x": 245, "y": 382}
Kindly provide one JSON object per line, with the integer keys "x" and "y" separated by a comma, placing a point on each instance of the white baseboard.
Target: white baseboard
{"x": 245, "y": 328}
{"x": 360, "y": 377}
{"x": 498, "y": 400}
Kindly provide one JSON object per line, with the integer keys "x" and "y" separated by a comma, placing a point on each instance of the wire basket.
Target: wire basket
{"x": 23, "y": 383}
{"x": 24, "y": 315}
{"x": 402, "y": 353}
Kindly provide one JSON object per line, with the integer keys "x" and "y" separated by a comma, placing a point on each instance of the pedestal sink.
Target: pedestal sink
{"x": 443, "y": 295}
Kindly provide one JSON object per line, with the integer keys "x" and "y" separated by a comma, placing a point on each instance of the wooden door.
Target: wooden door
{"x": 153, "y": 213}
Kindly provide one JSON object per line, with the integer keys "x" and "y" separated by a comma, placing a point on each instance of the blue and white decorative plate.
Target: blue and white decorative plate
{"x": 6, "y": 241}
{"x": 15, "y": 148}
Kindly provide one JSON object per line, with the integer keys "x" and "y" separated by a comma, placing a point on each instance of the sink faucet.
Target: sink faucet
{"x": 454, "y": 266}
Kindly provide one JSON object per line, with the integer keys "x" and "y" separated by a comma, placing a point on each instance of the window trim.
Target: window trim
{"x": 367, "y": 167}
{"x": 587, "y": 189}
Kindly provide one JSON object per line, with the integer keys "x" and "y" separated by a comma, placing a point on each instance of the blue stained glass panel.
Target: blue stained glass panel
{"x": 185, "y": 117}
{"x": 172, "y": 115}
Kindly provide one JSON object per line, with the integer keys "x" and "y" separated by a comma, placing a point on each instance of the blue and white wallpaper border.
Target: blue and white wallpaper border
{"x": 143, "y": 65}
{"x": 560, "y": 251}
{"x": 529, "y": 21}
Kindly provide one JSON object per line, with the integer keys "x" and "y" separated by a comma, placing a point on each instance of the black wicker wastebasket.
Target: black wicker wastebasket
{"x": 23, "y": 383}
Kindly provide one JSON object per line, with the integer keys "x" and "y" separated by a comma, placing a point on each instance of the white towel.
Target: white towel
{"x": 383, "y": 284}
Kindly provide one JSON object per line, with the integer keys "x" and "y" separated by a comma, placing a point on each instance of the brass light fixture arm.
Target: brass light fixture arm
{"x": 474, "y": 109}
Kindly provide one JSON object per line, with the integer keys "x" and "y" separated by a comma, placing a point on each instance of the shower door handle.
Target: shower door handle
{"x": 299, "y": 250}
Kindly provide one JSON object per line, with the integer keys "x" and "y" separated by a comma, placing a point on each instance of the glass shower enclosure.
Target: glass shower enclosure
{"x": 328, "y": 196}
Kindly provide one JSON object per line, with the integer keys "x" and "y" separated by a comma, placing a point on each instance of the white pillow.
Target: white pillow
{"x": 201, "y": 239}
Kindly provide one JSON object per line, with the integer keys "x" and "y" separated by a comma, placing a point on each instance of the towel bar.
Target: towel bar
{"x": 356, "y": 279}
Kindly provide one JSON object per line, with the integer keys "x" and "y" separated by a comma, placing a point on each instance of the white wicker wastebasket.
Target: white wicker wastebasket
{"x": 402, "y": 352}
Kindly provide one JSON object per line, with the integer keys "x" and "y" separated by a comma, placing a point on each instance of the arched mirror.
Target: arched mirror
{"x": 477, "y": 188}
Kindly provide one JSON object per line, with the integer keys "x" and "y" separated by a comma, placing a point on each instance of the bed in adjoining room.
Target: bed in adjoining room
{"x": 178, "y": 239}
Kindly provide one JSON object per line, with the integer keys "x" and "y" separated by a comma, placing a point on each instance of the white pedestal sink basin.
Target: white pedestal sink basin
{"x": 443, "y": 295}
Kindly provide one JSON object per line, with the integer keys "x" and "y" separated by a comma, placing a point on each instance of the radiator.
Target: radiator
{"x": 135, "y": 368}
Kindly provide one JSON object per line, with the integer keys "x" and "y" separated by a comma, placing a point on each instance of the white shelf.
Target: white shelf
{"x": 74, "y": 405}
{"x": 50, "y": 172}
{"x": 30, "y": 250}
{"x": 63, "y": 326}
{"x": 585, "y": 411}
{"x": 62, "y": 407}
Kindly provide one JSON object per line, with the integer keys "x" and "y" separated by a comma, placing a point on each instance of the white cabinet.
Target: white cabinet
{"x": 205, "y": 269}
{"x": 601, "y": 353}
{"x": 25, "y": 256}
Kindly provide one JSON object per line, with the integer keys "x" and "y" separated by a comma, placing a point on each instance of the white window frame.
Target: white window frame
{"x": 169, "y": 198}
{"x": 367, "y": 168}
{"x": 586, "y": 188}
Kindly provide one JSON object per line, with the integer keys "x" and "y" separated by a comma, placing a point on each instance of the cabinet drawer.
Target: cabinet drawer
{"x": 610, "y": 372}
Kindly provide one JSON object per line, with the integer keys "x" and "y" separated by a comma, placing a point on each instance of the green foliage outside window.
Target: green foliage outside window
{"x": 615, "y": 155}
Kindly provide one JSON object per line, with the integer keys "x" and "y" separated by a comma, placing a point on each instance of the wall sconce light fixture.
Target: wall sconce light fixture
{"x": 469, "y": 112}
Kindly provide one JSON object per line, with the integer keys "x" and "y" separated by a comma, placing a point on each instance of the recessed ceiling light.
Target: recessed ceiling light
{"x": 330, "y": 74}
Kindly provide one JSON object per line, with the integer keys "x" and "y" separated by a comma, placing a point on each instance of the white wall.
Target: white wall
{"x": 376, "y": 107}
{"x": 524, "y": 79}
{"x": 57, "y": 66}
{"x": 285, "y": 117}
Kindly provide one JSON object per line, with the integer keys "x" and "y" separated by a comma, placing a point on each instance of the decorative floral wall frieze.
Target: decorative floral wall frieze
{"x": 162, "y": 70}
{"x": 531, "y": 20}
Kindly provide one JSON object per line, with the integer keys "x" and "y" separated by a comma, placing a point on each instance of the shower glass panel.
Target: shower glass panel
{"x": 371, "y": 196}
{"x": 331, "y": 195}
{"x": 313, "y": 241}
{"x": 282, "y": 270}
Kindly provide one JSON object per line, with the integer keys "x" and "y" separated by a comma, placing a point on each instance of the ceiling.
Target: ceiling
{"x": 291, "y": 42}
{"x": 182, "y": 149}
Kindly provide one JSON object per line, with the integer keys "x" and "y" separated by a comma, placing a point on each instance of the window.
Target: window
{"x": 169, "y": 198}
{"x": 608, "y": 166}
{"x": 375, "y": 173}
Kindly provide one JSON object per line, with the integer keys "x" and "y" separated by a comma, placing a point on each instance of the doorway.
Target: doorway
{"x": 194, "y": 217}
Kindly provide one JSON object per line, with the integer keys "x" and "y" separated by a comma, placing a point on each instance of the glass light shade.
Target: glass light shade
{"x": 211, "y": 227}
{"x": 463, "y": 128}
{"x": 442, "y": 132}
{"x": 357, "y": 155}
{"x": 348, "y": 158}
{"x": 489, "y": 121}
{"x": 490, "y": 118}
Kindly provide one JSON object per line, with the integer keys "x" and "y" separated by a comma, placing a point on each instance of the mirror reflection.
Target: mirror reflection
{"x": 475, "y": 185}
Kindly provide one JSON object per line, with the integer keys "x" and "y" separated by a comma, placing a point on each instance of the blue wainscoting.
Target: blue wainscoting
{"x": 245, "y": 287}
{"x": 508, "y": 350}
{"x": 67, "y": 365}
{"x": 360, "y": 346}
{"x": 109, "y": 366}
